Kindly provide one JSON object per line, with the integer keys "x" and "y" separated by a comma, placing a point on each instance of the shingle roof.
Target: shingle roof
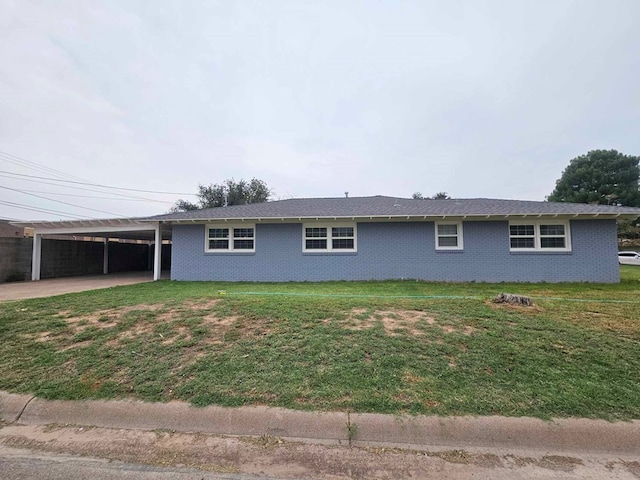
{"x": 380, "y": 206}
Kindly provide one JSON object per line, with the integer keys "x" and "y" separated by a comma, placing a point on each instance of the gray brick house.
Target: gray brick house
{"x": 377, "y": 238}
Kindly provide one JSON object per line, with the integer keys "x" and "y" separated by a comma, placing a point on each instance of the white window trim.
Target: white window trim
{"x": 460, "y": 236}
{"x": 231, "y": 238}
{"x": 329, "y": 248}
{"x": 536, "y": 235}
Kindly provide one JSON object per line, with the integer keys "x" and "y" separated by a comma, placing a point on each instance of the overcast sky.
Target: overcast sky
{"x": 474, "y": 98}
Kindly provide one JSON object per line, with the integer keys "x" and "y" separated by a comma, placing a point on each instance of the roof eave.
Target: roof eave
{"x": 429, "y": 217}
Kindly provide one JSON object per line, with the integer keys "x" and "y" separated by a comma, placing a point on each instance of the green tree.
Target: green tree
{"x": 441, "y": 196}
{"x": 437, "y": 196}
{"x": 227, "y": 193}
{"x": 601, "y": 176}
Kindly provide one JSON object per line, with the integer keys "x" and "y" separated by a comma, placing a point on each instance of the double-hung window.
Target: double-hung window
{"x": 329, "y": 238}
{"x": 540, "y": 236}
{"x": 230, "y": 238}
{"x": 449, "y": 236}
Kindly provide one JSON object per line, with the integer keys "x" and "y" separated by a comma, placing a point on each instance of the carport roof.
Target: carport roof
{"x": 129, "y": 228}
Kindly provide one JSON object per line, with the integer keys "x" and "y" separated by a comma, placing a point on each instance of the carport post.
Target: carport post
{"x": 157, "y": 253}
{"x": 36, "y": 256}
{"x": 105, "y": 259}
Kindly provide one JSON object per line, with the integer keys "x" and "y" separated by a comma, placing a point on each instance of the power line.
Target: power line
{"x": 60, "y": 201}
{"x": 87, "y": 189}
{"x": 97, "y": 184}
{"x": 93, "y": 196}
{"x": 41, "y": 210}
{"x": 23, "y": 162}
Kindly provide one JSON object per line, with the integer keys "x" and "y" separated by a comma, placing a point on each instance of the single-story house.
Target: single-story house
{"x": 378, "y": 238}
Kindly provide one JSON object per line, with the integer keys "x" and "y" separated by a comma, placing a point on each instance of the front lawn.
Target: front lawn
{"x": 400, "y": 346}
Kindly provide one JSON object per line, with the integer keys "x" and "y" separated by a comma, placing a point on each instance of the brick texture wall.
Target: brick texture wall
{"x": 401, "y": 250}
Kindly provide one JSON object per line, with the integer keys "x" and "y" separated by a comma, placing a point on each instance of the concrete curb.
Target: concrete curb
{"x": 574, "y": 435}
{"x": 12, "y": 405}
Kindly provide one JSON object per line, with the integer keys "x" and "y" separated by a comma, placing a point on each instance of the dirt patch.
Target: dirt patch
{"x": 557, "y": 462}
{"x": 487, "y": 460}
{"x": 633, "y": 468}
{"x": 398, "y": 322}
{"x": 108, "y": 318}
{"x": 514, "y": 307}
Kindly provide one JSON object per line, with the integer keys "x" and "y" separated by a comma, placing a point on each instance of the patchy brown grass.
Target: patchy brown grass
{"x": 398, "y": 322}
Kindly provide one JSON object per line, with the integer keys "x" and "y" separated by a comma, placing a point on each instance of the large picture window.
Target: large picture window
{"x": 539, "y": 236}
{"x": 449, "y": 236}
{"x": 329, "y": 238}
{"x": 230, "y": 238}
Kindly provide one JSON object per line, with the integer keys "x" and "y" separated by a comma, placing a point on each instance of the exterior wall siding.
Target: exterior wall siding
{"x": 401, "y": 250}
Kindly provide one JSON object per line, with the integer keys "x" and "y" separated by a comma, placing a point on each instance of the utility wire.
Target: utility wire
{"x": 40, "y": 210}
{"x": 93, "y": 196}
{"x": 133, "y": 197}
{"x": 23, "y": 162}
{"x": 60, "y": 201}
{"x": 98, "y": 185}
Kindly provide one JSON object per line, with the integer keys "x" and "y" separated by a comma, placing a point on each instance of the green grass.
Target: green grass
{"x": 395, "y": 347}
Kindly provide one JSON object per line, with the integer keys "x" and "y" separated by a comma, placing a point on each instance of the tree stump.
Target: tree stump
{"x": 513, "y": 299}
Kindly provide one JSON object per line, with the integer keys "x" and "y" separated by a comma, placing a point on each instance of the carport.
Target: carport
{"x": 121, "y": 228}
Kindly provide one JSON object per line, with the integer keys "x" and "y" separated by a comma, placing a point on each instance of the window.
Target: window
{"x": 539, "y": 236}
{"x": 449, "y": 236}
{"x": 230, "y": 238}
{"x": 328, "y": 238}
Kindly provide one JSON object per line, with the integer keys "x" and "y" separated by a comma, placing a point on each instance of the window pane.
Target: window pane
{"x": 243, "y": 232}
{"x": 551, "y": 229}
{"x": 243, "y": 244}
{"x": 316, "y": 232}
{"x": 344, "y": 243}
{"x": 448, "y": 229}
{"x": 552, "y": 242}
{"x": 342, "y": 232}
{"x": 522, "y": 243}
{"x": 218, "y": 233}
{"x": 518, "y": 230}
{"x": 218, "y": 244}
{"x": 316, "y": 244}
{"x": 447, "y": 241}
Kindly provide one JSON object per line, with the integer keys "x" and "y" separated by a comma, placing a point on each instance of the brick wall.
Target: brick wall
{"x": 15, "y": 258}
{"x": 401, "y": 250}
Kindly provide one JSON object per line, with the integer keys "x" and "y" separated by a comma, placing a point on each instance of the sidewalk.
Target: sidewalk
{"x": 570, "y": 435}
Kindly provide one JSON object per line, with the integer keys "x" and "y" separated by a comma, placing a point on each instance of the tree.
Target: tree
{"x": 601, "y": 176}
{"x": 437, "y": 196}
{"x": 227, "y": 193}
{"x": 441, "y": 196}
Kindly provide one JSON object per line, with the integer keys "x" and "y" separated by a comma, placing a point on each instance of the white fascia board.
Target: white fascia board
{"x": 391, "y": 218}
{"x": 105, "y": 229}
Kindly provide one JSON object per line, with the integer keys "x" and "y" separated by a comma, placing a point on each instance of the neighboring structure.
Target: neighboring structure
{"x": 7, "y": 229}
{"x": 377, "y": 238}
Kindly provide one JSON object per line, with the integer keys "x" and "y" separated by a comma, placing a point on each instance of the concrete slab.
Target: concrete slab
{"x": 179, "y": 416}
{"x": 60, "y": 286}
{"x": 12, "y": 405}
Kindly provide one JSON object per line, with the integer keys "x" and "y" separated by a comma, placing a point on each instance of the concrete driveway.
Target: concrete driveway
{"x": 59, "y": 286}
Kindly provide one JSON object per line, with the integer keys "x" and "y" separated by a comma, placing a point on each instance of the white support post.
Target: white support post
{"x": 36, "y": 256}
{"x": 157, "y": 254}
{"x": 105, "y": 259}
